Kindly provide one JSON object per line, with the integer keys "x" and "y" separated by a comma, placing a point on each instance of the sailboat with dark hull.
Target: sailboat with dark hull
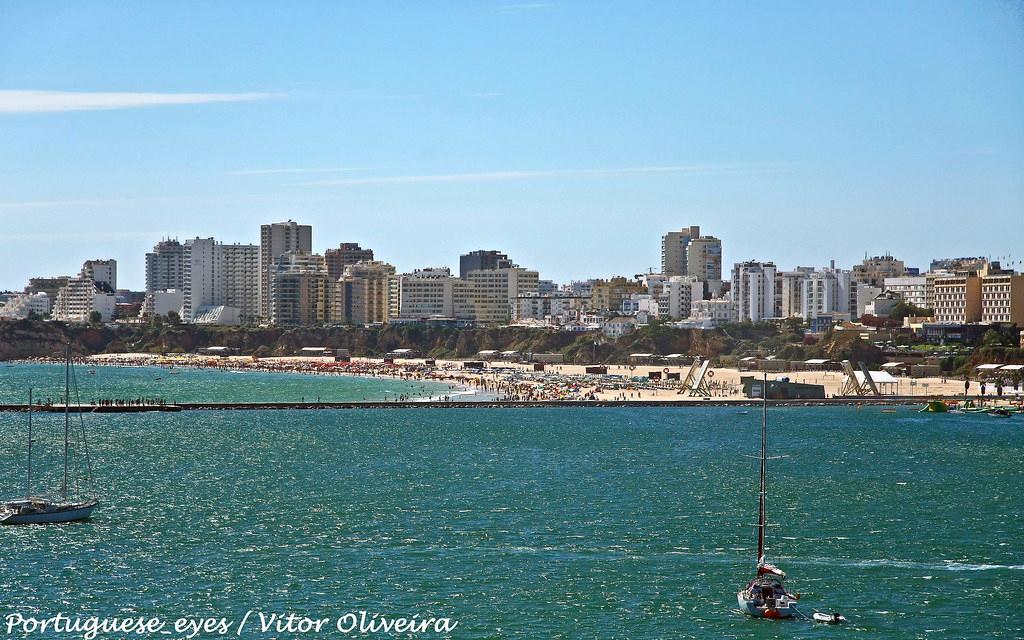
{"x": 41, "y": 510}
{"x": 765, "y": 596}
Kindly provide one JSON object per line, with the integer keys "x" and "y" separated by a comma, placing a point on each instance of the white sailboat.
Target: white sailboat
{"x": 42, "y": 510}
{"x": 765, "y": 596}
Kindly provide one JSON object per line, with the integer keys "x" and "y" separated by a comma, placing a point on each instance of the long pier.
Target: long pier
{"x": 876, "y": 401}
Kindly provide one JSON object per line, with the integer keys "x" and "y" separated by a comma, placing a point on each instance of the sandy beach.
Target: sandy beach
{"x": 519, "y": 381}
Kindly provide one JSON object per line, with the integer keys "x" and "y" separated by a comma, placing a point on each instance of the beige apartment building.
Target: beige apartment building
{"x": 301, "y": 293}
{"x": 607, "y": 295}
{"x": 674, "y": 245}
{"x": 494, "y": 292}
{"x": 988, "y": 295}
{"x": 1002, "y": 298}
{"x": 958, "y": 298}
{"x": 361, "y": 293}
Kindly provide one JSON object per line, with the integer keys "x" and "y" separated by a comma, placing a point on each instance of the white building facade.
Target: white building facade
{"x": 753, "y": 291}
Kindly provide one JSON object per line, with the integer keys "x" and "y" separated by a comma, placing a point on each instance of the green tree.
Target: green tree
{"x": 905, "y": 309}
{"x": 993, "y": 338}
{"x": 95, "y": 317}
{"x": 173, "y": 317}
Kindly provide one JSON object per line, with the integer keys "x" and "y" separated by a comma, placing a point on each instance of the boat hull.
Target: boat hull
{"x": 70, "y": 513}
{"x": 751, "y": 608}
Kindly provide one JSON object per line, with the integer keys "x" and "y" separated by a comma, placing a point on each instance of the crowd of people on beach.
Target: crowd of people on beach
{"x": 502, "y": 384}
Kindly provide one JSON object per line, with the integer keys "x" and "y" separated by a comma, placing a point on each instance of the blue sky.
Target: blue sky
{"x": 569, "y": 134}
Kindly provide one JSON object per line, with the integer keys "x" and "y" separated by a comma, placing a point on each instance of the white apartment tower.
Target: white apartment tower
{"x": 200, "y": 276}
{"x": 789, "y": 291}
{"x": 753, "y": 291}
{"x": 103, "y": 271}
{"x": 240, "y": 264}
{"x": 216, "y": 274}
{"x": 825, "y": 292}
{"x": 430, "y": 293}
{"x": 913, "y": 289}
{"x": 165, "y": 267}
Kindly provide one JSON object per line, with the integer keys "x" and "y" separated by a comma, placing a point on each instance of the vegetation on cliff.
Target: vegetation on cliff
{"x": 35, "y": 338}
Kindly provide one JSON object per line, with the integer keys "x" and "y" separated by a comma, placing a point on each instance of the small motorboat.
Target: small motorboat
{"x": 935, "y": 406}
{"x": 828, "y": 618}
{"x": 1000, "y": 413}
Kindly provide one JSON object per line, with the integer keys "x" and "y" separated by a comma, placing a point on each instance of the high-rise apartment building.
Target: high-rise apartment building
{"x": 201, "y": 277}
{"x": 275, "y": 240}
{"x": 103, "y": 271}
{"x": 432, "y": 293}
{"x": 704, "y": 262}
{"x": 674, "y": 245}
{"x": 1002, "y": 298}
{"x": 347, "y": 253}
{"x": 753, "y": 291}
{"x": 165, "y": 266}
{"x": 240, "y": 264}
{"x": 220, "y": 275}
{"x": 361, "y": 293}
{"x": 825, "y": 292}
{"x": 301, "y": 293}
{"x": 482, "y": 259}
{"x": 789, "y": 291}
{"x": 958, "y": 297}
{"x": 92, "y": 290}
{"x": 494, "y": 292}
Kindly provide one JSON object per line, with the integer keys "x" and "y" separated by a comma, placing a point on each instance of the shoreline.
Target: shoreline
{"x": 739, "y": 403}
{"x": 383, "y": 373}
{"x": 521, "y": 384}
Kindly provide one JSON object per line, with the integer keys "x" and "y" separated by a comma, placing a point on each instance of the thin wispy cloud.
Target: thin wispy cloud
{"x": 25, "y": 101}
{"x": 502, "y": 176}
{"x": 128, "y": 201}
{"x": 260, "y": 172}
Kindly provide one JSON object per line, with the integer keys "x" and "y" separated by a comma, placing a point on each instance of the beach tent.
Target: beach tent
{"x": 884, "y": 382}
{"x": 986, "y": 369}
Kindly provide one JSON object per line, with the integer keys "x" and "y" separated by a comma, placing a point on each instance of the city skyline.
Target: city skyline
{"x": 797, "y": 134}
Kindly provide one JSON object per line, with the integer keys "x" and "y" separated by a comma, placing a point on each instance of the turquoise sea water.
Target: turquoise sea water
{"x": 534, "y": 523}
{"x": 203, "y": 385}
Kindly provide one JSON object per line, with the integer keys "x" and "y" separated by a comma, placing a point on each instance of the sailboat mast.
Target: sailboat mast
{"x": 67, "y": 418}
{"x": 28, "y": 481}
{"x": 764, "y": 471}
